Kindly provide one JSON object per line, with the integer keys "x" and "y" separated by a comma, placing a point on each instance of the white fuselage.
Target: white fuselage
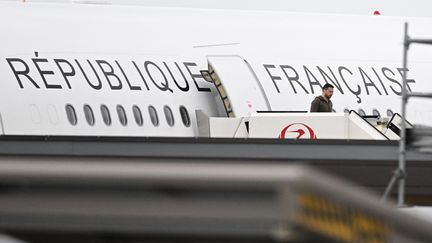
{"x": 54, "y": 55}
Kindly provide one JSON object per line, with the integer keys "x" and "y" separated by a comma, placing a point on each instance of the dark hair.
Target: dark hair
{"x": 327, "y": 85}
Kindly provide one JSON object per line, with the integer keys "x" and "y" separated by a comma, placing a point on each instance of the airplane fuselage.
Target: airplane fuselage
{"x": 140, "y": 66}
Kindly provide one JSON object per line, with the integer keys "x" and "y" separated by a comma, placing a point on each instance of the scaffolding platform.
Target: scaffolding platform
{"x": 420, "y": 139}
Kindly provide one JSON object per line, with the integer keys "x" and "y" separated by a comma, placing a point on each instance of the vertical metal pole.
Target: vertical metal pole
{"x": 402, "y": 142}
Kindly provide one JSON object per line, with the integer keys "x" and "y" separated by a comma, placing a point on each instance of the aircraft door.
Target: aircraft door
{"x": 237, "y": 84}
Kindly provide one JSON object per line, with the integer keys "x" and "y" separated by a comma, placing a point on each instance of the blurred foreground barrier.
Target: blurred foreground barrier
{"x": 243, "y": 202}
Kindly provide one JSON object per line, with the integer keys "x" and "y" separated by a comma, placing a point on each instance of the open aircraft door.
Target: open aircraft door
{"x": 237, "y": 84}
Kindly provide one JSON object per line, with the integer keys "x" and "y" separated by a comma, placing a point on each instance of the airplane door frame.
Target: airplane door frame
{"x": 225, "y": 72}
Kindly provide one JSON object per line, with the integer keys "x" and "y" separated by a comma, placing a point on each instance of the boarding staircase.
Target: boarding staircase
{"x": 249, "y": 115}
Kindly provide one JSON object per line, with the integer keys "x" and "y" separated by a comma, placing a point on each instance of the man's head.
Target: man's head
{"x": 327, "y": 90}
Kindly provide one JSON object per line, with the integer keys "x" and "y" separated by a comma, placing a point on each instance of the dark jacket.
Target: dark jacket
{"x": 319, "y": 104}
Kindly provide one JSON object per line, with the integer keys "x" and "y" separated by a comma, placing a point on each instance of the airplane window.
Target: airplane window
{"x": 137, "y": 114}
{"x": 375, "y": 112}
{"x": 153, "y": 115}
{"x": 361, "y": 112}
{"x": 185, "y": 116}
{"x": 106, "y": 115}
{"x": 389, "y": 113}
{"x": 169, "y": 116}
{"x": 88, "y": 112}
{"x": 121, "y": 115}
{"x": 71, "y": 115}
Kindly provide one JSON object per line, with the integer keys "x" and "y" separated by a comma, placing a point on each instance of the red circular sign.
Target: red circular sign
{"x": 297, "y": 131}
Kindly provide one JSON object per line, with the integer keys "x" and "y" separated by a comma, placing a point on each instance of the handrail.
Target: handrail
{"x": 355, "y": 112}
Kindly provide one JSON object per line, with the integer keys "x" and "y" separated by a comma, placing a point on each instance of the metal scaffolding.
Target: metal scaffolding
{"x": 400, "y": 174}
